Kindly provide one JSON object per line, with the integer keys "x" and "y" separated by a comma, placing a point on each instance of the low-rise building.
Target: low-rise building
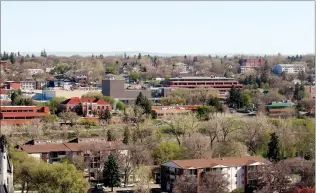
{"x": 35, "y": 71}
{"x": 93, "y": 151}
{"x": 235, "y": 169}
{"x": 280, "y": 109}
{"x": 87, "y": 106}
{"x": 22, "y": 114}
{"x": 288, "y": 68}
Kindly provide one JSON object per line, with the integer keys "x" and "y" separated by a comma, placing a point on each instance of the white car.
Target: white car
{"x": 127, "y": 185}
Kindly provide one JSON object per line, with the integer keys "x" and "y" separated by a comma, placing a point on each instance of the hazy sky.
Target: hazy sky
{"x": 159, "y": 27}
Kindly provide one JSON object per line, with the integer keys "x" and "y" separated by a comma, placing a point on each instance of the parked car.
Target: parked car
{"x": 127, "y": 185}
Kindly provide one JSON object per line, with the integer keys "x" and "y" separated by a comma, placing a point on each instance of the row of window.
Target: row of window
{"x": 17, "y": 111}
{"x": 15, "y": 118}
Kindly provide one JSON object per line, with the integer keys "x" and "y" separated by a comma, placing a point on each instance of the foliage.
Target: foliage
{"x": 126, "y": 136}
{"x": 238, "y": 190}
{"x": 88, "y": 122}
{"x": 273, "y": 148}
{"x": 49, "y": 118}
{"x": 120, "y": 105}
{"x": 166, "y": 151}
{"x": 69, "y": 116}
{"x": 143, "y": 102}
{"x": 299, "y": 91}
{"x": 204, "y": 112}
{"x": 34, "y": 174}
{"x": 111, "y": 173}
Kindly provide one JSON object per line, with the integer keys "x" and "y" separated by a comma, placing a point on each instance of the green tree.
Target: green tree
{"x": 299, "y": 91}
{"x": 139, "y": 56}
{"x": 301, "y": 76}
{"x": 245, "y": 99}
{"x": 107, "y": 115}
{"x": 43, "y": 53}
{"x": 273, "y": 148}
{"x": 127, "y": 136}
{"x": 111, "y": 173}
{"x": 55, "y": 106}
{"x": 33, "y": 56}
{"x": 109, "y": 135}
{"x": 204, "y": 112}
{"x": 12, "y": 58}
{"x": 166, "y": 151}
{"x": 144, "y": 103}
{"x": 120, "y": 105}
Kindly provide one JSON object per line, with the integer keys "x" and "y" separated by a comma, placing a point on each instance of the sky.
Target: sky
{"x": 187, "y": 27}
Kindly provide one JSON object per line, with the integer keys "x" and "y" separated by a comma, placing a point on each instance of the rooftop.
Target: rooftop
{"x": 201, "y": 77}
{"x": 280, "y": 104}
{"x": 213, "y": 162}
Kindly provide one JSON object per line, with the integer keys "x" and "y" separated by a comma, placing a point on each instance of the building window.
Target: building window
{"x": 98, "y": 107}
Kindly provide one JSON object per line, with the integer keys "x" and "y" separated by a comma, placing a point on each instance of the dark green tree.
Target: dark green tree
{"x": 126, "y": 136}
{"x": 101, "y": 56}
{"x": 12, "y": 58}
{"x": 299, "y": 91}
{"x": 107, "y": 115}
{"x": 139, "y": 56}
{"x": 143, "y": 102}
{"x": 301, "y": 75}
{"x": 125, "y": 56}
{"x": 273, "y": 148}
{"x": 109, "y": 135}
{"x": 185, "y": 56}
{"x": 33, "y": 56}
{"x": 111, "y": 173}
{"x": 27, "y": 56}
{"x": 19, "y": 54}
{"x": 13, "y": 97}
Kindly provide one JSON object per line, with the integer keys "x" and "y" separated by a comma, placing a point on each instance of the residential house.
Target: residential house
{"x": 35, "y": 71}
{"x": 92, "y": 150}
{"x": 88, "y": 107}
{"x": 235, "y": 169}
{"x": 11, "y": 85}
{"x": 6, "y": 168}
{"x": 280, "y": 109}
{"x": 22, "y": 114}
{"x": 288, "y": 68}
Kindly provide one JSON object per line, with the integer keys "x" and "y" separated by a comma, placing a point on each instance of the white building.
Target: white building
{"x": 288, "y": 68}
{"x": 28, "y": 85}
{"x": 6, "y": 169}
{"x": 35, "y": 71}
{"x": 235, "y": 169}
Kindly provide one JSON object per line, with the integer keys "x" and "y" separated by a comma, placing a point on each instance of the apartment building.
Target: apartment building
{"x": 235, "y": 169}
{"x": 222, "y": 84}
{"x": 6, "y": 169}
{"x": 88, "y": 106}
{"x": 22, "y": 114}
{"x": 93, "y": 151}
{"x": 288, "y": 68}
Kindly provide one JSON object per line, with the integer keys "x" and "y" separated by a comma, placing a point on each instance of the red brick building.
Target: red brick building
{"x": 250, "y": 63}
{"x": 22, "y": 114}
{"x": 222, "y": 84}
{"x": 88, "y": 106}
{"x": 11, "y": 85}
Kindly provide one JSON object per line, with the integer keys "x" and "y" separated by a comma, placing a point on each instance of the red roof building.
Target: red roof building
{"x": 22, "y": 114}
{"x": 87, "y": 106}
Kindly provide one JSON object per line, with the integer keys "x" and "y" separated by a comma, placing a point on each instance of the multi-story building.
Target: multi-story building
{"x": 280, "y": 109}
{"x": 222, "y": 84}
{"x": 6, "y": 169}
{"x": 28, "y": 85}
{"x": 288, "y": 68}
{"x": 115, "y": 87}
{"x": 250, "y": 63}
{"x": 88, "y": 106}
{"x": 235, "y": 169}
{"x": 22, "y": 114}
{"x": 93, "y": 151}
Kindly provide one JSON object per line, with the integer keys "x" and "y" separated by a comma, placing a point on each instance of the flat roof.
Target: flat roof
{"x": 201, "y": 77}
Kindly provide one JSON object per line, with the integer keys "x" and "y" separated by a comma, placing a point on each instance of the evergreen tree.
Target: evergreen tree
{"x": 33, "y": 56}
{"x": 139, "y": 56}
{"x": 12, "y": 58}
{"x": 144, "y": 103}
{"x": 233, "y": 94}
{"x": 126, "y": 136}
{"x": 107, "y": 114}
{"x": 13, "y": 97}
{"x": 273, "y": 148}
{"x": 111, "y": 173}
{"x": 19, "y": 54}
{"x": 301, "y": 75}
{"x": 27, "y": 56}
{"x": 109, "y": 135}
{"x": 101, "y": 56}
{"x": 125, "y": 56}
{"x": 185, "y": 56}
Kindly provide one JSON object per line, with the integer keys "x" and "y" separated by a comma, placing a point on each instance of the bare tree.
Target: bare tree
{"x": 197, "y": 146}
{"x": 185, "y": 184}
{"x": 211, "y": 129}
{"x": 181, "y": 125}
{"x": 214, "y": 182}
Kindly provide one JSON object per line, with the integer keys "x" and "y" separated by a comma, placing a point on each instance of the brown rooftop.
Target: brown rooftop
{"x": 226, "y": 161}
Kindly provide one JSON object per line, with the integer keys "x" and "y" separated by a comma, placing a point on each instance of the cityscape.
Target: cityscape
{"x": 204, "y": 121}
